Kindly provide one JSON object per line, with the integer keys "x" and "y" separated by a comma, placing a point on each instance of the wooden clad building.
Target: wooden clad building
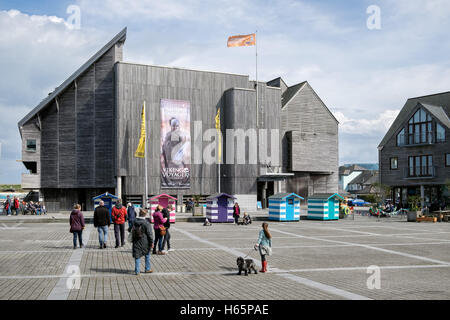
{"x": 80, "y": 140}
{"x": 414, "y": 155}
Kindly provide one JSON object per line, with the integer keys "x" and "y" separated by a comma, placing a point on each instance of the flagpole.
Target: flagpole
{"x": 257, "y": 94}
{"x": 145, "y": 157}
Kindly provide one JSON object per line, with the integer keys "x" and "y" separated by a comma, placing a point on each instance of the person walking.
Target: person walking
{"x": 131, "y": 214}
{"x": 166, "y": 214}
{"x": 119, "y": 216}
{"x": 264, "y": 245}
{"x": 236, "y": 212}
{"x": 7, "y": 206}
{"x": 102, "y": 223}
{"x": 77, "y": 225}
{"x": 15, "y": 206}
{"x": 158, "y": 222}
{"x": 142, "y": 239}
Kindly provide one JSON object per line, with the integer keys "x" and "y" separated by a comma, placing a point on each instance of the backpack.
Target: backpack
{"x": 137, "y": 232}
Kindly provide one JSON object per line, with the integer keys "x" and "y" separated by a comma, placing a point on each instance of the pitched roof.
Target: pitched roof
{"x": 438, "y": 113}
{"x": 290, "y": 93}
{"x": 438, "y": 99}
{"x": 366, "y": 177}
{"x": 284, "y": 195}
{"x": 120, "y": 37}
{"x": 325, "y": 196}
{"x": 217, "y": 195}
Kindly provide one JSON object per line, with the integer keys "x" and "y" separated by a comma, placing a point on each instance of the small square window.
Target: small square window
{"x": 394, "y": 163}
{"x": 31, "y": 145}
{"x": 447, "y": 160}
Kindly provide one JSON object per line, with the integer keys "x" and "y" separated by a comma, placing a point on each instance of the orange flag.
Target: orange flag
{"x": 242, "y": 41}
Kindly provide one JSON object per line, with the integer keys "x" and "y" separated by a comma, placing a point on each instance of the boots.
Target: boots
{"x": 264, "y": 267}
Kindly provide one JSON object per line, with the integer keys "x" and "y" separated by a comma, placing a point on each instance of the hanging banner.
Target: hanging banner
{"x": 175, "y": 144}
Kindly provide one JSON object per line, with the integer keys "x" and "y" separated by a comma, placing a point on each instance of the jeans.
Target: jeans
{"x": 166, "y": 240}
{"x": 102, "y": 234}
{"x": 137, "y": 267}
{"x": 80, "y": 237}
{"x": 8, "y": 212}
{"x": 119, "y": 229}
{"x": 158, "y": 240}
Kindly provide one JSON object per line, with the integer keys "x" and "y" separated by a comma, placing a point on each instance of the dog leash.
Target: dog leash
{"x": 249, "y": 253}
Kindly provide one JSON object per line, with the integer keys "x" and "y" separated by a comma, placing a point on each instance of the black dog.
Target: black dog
{"x": 247, "y": 265}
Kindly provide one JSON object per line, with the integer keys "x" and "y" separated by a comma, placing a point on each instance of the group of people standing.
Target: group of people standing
{"x": 140, "y": 231}
{"x": 15, "y": 206}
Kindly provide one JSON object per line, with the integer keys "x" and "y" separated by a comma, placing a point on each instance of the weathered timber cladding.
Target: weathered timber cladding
{"x": 78, "y": 140}
{"x": 136, "y": 83}
{"x": 310, "y": 144}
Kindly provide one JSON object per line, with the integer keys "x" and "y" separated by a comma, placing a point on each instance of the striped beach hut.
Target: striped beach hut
{"x": 219, "y": 207}
{"x": 109, "y": 200}
{"x": 324, "y": 206}
{"x": 284, "y": 207}
{"x": 164, "y": 200}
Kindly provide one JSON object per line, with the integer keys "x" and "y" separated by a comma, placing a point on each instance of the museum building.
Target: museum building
{"x": 81, "y": 140}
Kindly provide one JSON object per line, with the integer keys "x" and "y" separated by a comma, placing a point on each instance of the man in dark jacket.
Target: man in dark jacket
{"x": 102, "y": 222}
{"x": 166, "y": 214}
{"x": 131, "y": 213}
{"x": 142, "y": 238}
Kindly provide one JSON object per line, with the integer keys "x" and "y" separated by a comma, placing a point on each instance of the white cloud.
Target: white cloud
{"x": 378, "y": 125}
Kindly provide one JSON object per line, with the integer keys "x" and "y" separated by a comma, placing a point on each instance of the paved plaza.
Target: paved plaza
{"x": 311, "y": 260}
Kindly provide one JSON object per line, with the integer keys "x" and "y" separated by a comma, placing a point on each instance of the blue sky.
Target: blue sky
{"x": 363, "y": 76}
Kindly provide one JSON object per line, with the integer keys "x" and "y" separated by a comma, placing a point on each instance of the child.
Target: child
{"x": 247, "y": 219}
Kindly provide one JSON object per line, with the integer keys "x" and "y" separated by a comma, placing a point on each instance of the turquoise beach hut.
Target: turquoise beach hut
{"x": 284, "y": 207}
{"x": 324, "y": 206}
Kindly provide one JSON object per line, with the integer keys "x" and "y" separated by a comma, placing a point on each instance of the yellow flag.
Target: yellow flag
{"x": 219, "y": 135}
{"x": 140, "y": 152}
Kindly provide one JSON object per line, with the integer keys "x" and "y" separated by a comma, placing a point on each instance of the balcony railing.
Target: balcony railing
{"x": 422, "y": 172}
{"x": 425, "y": 138}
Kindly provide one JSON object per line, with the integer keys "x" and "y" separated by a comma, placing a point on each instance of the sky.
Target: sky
{"x": 363, "y": 75}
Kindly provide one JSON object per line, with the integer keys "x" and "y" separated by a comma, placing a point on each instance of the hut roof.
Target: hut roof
{"x": 326, "y": 196}
{"x": 218, "y": 195}
{"x": 163, "y": 195}
{"x": 284, "y": 196}
{"x": 105, "y": 195}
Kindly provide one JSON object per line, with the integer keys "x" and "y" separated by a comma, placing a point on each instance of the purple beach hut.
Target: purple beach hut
{"x": 219, "y": 208}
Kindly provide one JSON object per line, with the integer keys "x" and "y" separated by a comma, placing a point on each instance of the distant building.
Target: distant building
{"x": 80, "y": 141}
{"x": 414, "y": 155}
{"x": 347, "y": 173}
{"x": 363, "y": 184}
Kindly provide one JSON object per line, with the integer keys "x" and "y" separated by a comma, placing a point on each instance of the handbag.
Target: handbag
{"x": 266, "y": 250}
{"x": 162, "y": 230}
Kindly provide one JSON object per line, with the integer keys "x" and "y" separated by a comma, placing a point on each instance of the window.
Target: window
{"x": 31, "y": 145}
{"x": 447, "y": 160}
{"x": 394, "y": 163}
{"x": 420, "y": 166}
{"x": 419, "y": 128}
{"x": 401, "y": 138}
{"x": 440, "y": 133}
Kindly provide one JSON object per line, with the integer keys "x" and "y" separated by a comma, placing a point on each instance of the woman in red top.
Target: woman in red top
{"x": 236, "y": 212}
{"x": 119, "y": 216}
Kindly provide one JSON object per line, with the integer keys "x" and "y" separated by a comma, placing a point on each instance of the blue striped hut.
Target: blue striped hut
{"x": 219, "y": 207}
{"x": 324, "y": 206}
{"x": 284, "y": 207}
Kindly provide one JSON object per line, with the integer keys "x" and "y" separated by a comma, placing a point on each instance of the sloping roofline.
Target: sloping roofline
{"x": 302, "y": 85}
{"x": 120, "y": 37}
{"x": 395, "y": 125}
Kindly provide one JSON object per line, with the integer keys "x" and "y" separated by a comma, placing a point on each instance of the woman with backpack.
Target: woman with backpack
{"x": 158, "y": 222}
{"x": 142, "y": 239}
{"x": 264, "y": 245}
